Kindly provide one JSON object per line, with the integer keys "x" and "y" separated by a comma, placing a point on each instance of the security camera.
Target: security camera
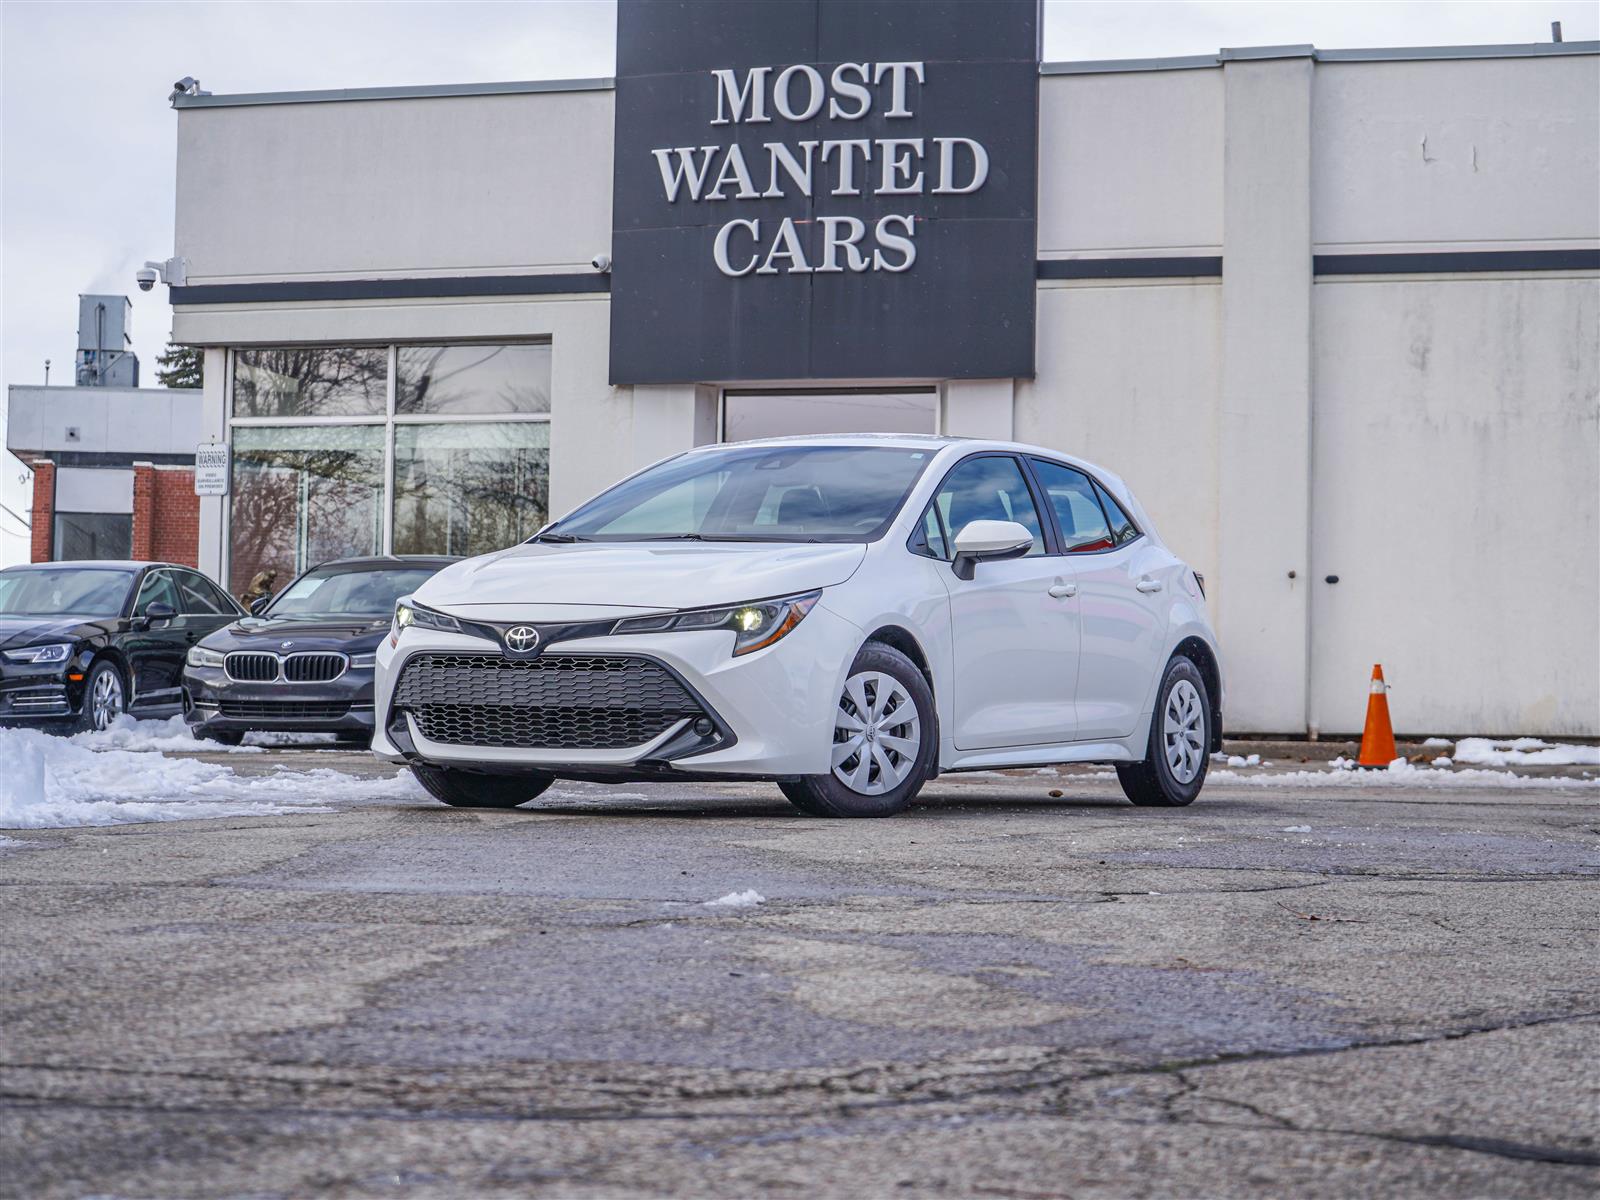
{"x": 601, "y": 263}
{"x": 174, "y": 272}
{"x": 186, "y": 84}
{"x": 147, "y": 277}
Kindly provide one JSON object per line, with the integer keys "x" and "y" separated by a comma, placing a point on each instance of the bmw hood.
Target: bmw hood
{"x": 668, "y": 575}
{"x": 353, "y": 635}
{"x": 30, "y": 631}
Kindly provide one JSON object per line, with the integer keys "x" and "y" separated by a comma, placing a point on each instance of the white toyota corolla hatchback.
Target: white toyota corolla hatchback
{"x": 844, "y": 616}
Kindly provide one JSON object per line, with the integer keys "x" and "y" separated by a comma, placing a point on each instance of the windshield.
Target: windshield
{"x": 342, "y": 592}
{"x": 755, "y": 493}
{"x": 64, "y": 591}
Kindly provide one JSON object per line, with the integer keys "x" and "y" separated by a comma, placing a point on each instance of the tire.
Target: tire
{"x": 466, "y": 789}
{"x": 225, "y": 737}
{"x": 1158, "y": 782}
{"x": 878, "y": 769}
{"x": 105, "y": 697}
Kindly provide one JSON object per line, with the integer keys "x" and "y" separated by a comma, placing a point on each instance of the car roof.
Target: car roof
{"x": 389, "y": 560}
{"x": 105, "y": 564}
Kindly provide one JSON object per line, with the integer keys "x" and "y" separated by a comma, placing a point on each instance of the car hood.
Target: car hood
{"x": 30, "y": 631}
{"x": 637, "y": 575}
{"x": 353, "y": 635}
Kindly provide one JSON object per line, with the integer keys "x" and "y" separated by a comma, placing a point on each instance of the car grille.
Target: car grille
{"x": 576, "y": 702}
{"x": 283, "y": 710}
{"x": 249, "y": 666}
{"x": 259, "y": 666}
{"x": 313, "y": 668}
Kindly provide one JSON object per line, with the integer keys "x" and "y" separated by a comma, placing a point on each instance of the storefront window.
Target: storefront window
{"x": 472, "y": 379}
{"x": 469, "y": 488}
{"x": 302, "y": 495}
{"x": 311, "y": 381}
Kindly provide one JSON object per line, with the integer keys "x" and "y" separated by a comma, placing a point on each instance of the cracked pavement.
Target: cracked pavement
{"x": 1001, "y": 993}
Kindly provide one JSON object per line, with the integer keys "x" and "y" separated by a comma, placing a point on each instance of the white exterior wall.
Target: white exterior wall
{"x": 1271, "y": 420}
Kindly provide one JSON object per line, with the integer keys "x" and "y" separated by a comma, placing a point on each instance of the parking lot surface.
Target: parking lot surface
{"x": 1024, "y": 987}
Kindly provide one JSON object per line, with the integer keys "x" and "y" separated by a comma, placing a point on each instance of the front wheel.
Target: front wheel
{"x": 104, "y": 698}
{"x": 467, "y": 789}
{"x": 884, "y": 741}
{"x": 1174, "y": 767}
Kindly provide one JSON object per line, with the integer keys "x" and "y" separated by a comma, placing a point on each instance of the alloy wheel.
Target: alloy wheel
{"x": 105, "y": 702}
{"x": 877, "y": 735}
{"x": 1185, "y": 731}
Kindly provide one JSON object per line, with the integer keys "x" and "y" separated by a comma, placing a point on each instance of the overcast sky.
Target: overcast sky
{"x": 87, "y": 155}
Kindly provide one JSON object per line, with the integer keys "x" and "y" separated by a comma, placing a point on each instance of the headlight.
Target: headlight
{"x": 754, "y": 625}
{"x": 199, "y": 656}
{"x": 409, "y": 612}
{"x": 55, "y": 652}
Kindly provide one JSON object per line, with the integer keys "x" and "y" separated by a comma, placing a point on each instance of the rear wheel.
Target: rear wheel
{"x": 1174, "y": 767}
{"x": 884, "y": 740}
{"x": 467, "y": 789}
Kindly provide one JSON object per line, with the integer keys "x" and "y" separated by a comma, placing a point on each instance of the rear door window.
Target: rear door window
{"x": 1084, "y": 528}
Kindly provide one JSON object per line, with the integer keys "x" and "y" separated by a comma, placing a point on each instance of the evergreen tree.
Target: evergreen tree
{"x": 181, "y": 366}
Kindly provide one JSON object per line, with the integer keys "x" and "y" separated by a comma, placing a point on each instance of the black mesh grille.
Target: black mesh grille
{"x": 301, "y": 710}
{"x": 313, "y": 668}
{"x": 587, "y": 702}
{"x": 250, "y": 666}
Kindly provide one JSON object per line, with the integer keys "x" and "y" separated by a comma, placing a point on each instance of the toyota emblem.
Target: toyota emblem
{"x": 520, "y": 639}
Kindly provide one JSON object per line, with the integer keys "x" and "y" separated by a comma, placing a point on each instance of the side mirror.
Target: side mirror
{"x": 259, "y": 605}
{"x": 157, "y": 613}
{"x": 989, "y": 541}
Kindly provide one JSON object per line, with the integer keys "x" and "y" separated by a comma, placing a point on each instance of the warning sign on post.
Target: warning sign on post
{"x": 211, "y": 463}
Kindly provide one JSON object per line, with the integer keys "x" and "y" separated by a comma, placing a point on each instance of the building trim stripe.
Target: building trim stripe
{"x": 419, "y": 92}
{"x": 1188, "y": 266}
{"x": 437, "y": 287}
{"x": 1200, "y": 62}
{"x": 1450, "y": 262}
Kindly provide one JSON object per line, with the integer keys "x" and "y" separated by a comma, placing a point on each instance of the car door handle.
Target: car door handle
{"x": 1149, "y": 585}
{"x": 1062, "y": 590}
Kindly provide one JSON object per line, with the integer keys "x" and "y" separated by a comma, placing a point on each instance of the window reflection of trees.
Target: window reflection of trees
{"x": 311, "y": 381}
{"x": 454, "y": 499}
{"x": 473, "y": 379}
{"x": 295, "y": 508}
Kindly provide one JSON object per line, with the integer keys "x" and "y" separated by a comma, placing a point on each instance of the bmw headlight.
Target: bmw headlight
{"x": 408, "y": 612}
{"x": 54, "y": 652}
{"x": 755, "y": 625}
{"x": 199, "y": 656}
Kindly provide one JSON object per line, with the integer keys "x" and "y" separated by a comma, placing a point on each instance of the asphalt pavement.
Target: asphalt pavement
{"x": 1025, "y": 987}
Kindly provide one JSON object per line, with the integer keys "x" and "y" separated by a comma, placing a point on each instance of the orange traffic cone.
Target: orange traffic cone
{"x": 1377, "y": 739}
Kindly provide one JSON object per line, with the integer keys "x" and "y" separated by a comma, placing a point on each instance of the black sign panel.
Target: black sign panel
{"x": 824, "y": 189}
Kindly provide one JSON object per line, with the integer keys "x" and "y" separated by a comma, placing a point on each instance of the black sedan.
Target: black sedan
{"x": 304, "y": 662}
{"x": 83, "y": 642}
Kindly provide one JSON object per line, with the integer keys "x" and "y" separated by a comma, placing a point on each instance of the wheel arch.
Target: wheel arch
{"x": 1199, "y": 652}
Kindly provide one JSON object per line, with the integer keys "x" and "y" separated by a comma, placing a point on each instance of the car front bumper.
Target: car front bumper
{"x": 771, "y": 711}
{"x": 213, "y": 703}
{"x": 31, "y": 695}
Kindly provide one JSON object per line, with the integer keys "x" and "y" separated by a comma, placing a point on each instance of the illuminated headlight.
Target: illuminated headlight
{"x": 199, "y": 656}
{"x": 55, "y": 652}
{"x": 755, "y": 625}
{"x": 409, "y": 612}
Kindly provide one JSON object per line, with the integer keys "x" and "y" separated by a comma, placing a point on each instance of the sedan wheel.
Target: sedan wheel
{"x": 884, "y": 741}
{"x": 1184, "y": 728}
{"x": 103, "y": 699}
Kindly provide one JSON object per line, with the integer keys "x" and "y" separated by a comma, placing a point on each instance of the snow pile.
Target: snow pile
{"x": 128, "y": 733}
{"x": 48, "y": 782}
{"x": 747, "y": 899}
{"x": 1400, "y": 773}
{"x": 1524, "y": 752}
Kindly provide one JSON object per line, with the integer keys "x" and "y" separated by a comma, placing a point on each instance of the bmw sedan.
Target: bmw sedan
{"x": 81, "y": 643}
{"x": 847, "y": 617}
{"x": 303, "y": 661}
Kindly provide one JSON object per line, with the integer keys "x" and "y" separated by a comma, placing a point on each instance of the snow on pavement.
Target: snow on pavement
{"x": 48, "y": 782}
{"x": 129, "y": 733}
{"x": 1524, "y": 752}
{"x": 746, "y": 899}
{"x": 1342, "y": 772}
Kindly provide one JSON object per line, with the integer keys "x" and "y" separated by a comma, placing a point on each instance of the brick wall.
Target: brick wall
{"x": 166, "y": 514}
{"x": 44, "y": 504}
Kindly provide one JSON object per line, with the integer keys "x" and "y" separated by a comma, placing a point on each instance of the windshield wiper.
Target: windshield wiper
{"x": 559, "y": 537}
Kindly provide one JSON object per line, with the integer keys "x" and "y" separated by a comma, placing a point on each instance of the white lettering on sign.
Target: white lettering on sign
{"x": 894, "y": 166}
{"x": 211, "y": 469}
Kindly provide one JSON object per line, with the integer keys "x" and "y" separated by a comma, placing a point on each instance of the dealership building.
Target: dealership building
{"x": 1331, "y": 313}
